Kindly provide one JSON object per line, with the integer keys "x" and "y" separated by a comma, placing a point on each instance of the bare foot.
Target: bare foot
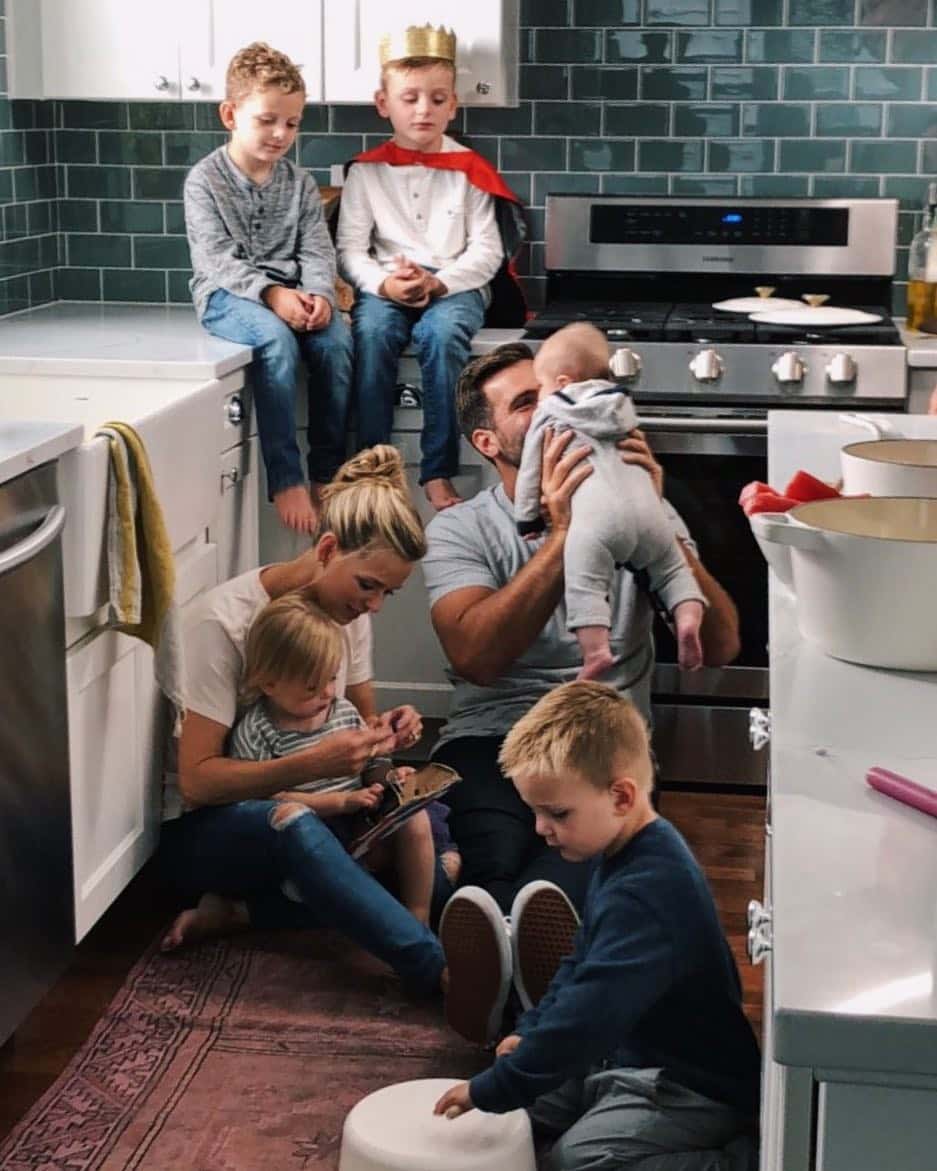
{"x": 295, "y": 508}
{"x": 441, "y": 494}
{"x": 451, "y": 862}
{"x": 596, "y": 664}
{"x": 214, "y": 915}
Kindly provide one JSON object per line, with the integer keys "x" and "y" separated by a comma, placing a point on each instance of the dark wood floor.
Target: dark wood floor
{"x": 725, "y": 831}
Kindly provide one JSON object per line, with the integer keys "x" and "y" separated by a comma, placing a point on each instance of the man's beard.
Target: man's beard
{"x": 511, "y": 449}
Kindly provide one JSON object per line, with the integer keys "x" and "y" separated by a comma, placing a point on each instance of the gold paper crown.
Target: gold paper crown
{"x": 418, "y": 41}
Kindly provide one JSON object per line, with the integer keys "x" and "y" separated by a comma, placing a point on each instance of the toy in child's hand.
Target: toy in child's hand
{"x": 406, "y": 792}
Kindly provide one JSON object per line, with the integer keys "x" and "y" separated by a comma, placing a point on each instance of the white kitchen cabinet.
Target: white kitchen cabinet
{"x": 234, "y": 531}
{"x": 486, "y": 39}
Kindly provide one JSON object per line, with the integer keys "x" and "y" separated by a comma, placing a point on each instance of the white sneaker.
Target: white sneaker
{"x": 477, "y": 944}
{"x": 543, "y": 927}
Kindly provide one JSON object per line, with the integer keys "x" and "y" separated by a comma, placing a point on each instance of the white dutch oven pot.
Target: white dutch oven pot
{"x": 890, "y": 467}
{"x": 864, "y": 573}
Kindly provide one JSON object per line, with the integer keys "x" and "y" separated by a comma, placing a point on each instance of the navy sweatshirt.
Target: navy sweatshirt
{"x": 651, "y": 984}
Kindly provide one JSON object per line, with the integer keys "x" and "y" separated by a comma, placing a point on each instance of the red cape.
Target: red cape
{"x": 479, "y": 172}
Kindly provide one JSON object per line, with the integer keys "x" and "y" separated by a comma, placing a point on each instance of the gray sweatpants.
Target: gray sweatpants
{"x": 630, "y": 1119}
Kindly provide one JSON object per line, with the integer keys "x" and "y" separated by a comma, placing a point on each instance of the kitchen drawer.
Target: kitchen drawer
{"x": 706, "y": 746}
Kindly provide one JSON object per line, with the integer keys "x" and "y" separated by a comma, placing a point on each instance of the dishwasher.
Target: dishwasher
{"x": 36, "y": 902}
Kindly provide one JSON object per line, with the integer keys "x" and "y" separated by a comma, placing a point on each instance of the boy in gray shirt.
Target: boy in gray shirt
{"x": 618, "y": 520}
{"x": 264, "y": 275}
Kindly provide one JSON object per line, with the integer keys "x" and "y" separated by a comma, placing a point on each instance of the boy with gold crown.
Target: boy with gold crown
{"x": 426, "y": 231}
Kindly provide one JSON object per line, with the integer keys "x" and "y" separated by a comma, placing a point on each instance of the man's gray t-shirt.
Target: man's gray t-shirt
{"x": 476, "y": 543}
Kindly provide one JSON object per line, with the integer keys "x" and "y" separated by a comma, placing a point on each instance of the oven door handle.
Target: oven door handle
{"x": 703, "y": 425}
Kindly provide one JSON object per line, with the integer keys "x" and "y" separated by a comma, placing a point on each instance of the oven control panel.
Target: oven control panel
{"x": 728, "y": 223}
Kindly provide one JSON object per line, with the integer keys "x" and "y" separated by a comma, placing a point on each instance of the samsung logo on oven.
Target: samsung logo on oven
{"x": 718, "y": 259}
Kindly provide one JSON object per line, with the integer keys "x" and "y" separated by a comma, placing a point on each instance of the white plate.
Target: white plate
{"x": 821, "y": 315}
{"x": 756, "y": 304}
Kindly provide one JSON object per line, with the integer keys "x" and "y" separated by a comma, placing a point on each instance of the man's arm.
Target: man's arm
{"x": 719, "y": 632}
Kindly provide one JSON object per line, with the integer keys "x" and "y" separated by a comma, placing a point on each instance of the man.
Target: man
{"x": 497, "y": 607}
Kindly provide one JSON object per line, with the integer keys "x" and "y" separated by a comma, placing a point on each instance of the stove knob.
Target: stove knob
{"x": 789, "y": 367}
{"x": 625, "y": 364}
{"x": 841, "y": 368}
{"x": 707, "y": 366}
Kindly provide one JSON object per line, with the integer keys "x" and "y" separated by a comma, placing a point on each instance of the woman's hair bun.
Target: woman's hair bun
{"x": 379, "y": 463}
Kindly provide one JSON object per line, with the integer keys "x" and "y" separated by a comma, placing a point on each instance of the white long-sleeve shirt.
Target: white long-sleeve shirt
{"x": 433, "y": 217}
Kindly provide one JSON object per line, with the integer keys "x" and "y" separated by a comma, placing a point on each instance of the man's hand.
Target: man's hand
{"x": 405, "y": 723}
{"x": 635, "y": 450}
{"x": 563, "y": 471}
{"x": 508, "y": 1045}
{"x": 346, "y": 753}
{"x": 368, "y": 798}
{"x": 455, "y": 1101}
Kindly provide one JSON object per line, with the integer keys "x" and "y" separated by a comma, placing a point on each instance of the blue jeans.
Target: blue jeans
{"x": 235, "y": 851}
{"x": 442, "y": 334}
{"x": 278, "y": 352}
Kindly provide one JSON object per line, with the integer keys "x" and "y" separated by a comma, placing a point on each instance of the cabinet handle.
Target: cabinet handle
{"x": 483, "y": 87}
{"x": 231, "y": 476}
{"x": 759, "y": 727}
{"x": 193, "y": 85}
{"x": 759, "y": 943}
{"x": 235, "y": 410}
{"x": 161, "y": 83}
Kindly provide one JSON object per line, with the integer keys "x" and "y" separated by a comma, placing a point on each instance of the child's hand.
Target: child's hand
{"x": 290, "y": 305}
{"x": 455, "y": 1101}
{"x": 508, "y": 1045}
{"x": 368, "y": 798}
{"x": 318, "y": 310}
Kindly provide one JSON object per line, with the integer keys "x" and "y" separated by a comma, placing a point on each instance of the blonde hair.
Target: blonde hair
{"x": 579, "y": 351}
{"x": 258, "y": 66}
{"x": 367, "y": 506}
{"x": 293, "y": 641}
{"x": 584, "y": 728}
{"x": 410, "y": 64}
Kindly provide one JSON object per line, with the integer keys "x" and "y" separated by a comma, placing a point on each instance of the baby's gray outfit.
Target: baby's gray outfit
{"x": 617, "y": 517}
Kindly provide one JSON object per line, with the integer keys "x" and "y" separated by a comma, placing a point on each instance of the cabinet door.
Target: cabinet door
{"x": 486, "y": 38}
{"x": 234, "y": 530}
{"x": 110, "y": 49}
{"x": 214, "y": 30}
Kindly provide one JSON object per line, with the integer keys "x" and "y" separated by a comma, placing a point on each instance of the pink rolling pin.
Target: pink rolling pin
{"x": 899, "y": 787}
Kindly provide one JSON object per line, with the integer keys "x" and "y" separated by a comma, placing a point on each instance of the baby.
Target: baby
{"x": 618, "y": 520}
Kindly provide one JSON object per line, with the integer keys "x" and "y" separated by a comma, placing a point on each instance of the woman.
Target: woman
{"x": 237, "y": 842}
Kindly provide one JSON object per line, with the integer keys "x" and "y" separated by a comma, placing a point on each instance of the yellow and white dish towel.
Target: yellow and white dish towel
{"x": 140, "y": 565}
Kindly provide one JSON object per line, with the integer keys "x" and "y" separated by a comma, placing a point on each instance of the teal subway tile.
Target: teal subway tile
{"x": 315, "y": 119}
{"x": 175, "y": 219}
{"x": 911, "y": 121}
{"x": 637, "y": 118}
{"x": 768, "y": 46}
{"x": 820, "y": 12}
{"x": 40, "y": 287}
{"x": 6, "y": 113}
{"x": 774, "y": 186}
{"x": 39, "y": 218}
{"x": 572, "y": 45}
{"x": 908, "y": 224}
{"x": 21, "y": 114}
{"x": 929, "y": 158}
{"x": 744, "y": 83}
{"x": 890, "y": 13}
{"x": 914, "y": 47}
{"x": 849, "y": 120}
{"x": 207, "y": 116}
{"x": 14, "y": 294}
{"x": 12, "y": 148}
{"x": 677, "y": 12}
{"x": 126, "y": 216}
{"x": 94, "y": 115}
{"x": 930, "y": 85}
{"x": 37, "y": 146}
{"x": 601, "y": 155}
{"x": 185, "y": 149}
{"x": 845, "y": 187}
{"x": 158, "y": 182}
{"x": 510, "y": 120}
{"x": 525, "y": 46}
{"x": 133, "y": 284}
{"x": 901, "y": 264}
{"x": 571, "y": 118}
{"x": 545, "y": 82}
{"x": 324, "y": 150}
{"x": 686, "y": 84}
{"x": 78, "y": 215}
{"x": 76, "y": 146}
{"x": 97, "y": 182}
{"x": 634, "y": 184}
{"x": 670, "y": 155}
{"x": 14, "y": 221}
{"x": 144, "y": 149}
{"x": 32, "y": 183}
{"x": 776, "y": 120}
{"x": 909, "y": 190}
{"x": 344, "y": 120}
{"x": 881, "y": 157}
{"x": 744, "y": 154}
{"x": 692, "y": 121}
{"x": 816, "y": 83}
{"x": 899, "y": 300}
{"x": 563, "y": 183}
{"x": 606, "y": 13}
{"x": 6, "y": 186}
{"x": 163, "y": 115}
{"x": 852, "y": 48}
{"x": 643, "y": 47}
{"x": 748, "y": 13}
{"x": 812, "y": 155}
{"x": 45, "y": 115}
{"x": 709, "y": 45}
{"x": 77, "y": 284}
{"x": 887, "y": 83}
{"x": 536, "y": 222}
{"x": 96, "y": 251}
{"x": 178, "y": 287}
{"x": 703, "y": 185}
{"x": 533, "y": 154}
{"x": 616, "y": 84}
{"x": 520, "y": 183}
{"x": 161, "y": 252}
{"x": 541, "y": 12}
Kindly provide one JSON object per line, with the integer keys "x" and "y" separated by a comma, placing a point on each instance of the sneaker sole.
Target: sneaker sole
{"x": 542, "y": 936}
{"x": 478, "y": 979}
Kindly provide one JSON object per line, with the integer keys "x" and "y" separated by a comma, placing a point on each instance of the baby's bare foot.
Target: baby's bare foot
{"x": 596, "y": 664}
{"x": 295, "y": 508}
{"x": 214, "y": 915}
{"x": 441, "y": 494}
{"x": 451, "y": 862}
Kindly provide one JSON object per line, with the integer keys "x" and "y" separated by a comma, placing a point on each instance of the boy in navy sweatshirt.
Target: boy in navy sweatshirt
{"x": 638, "y": 1055}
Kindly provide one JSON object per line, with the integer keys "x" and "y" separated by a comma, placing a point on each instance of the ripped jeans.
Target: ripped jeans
{"x": 236, "y": 851}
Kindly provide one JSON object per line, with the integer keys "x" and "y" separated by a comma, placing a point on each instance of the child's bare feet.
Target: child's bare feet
{"x": 597, "y": 655}
{"x": 295, "y": 508}
{"x": 451, "y": 862}
{"x": 687, "y": 617}
{"x": 596, "y": 664}
{"x": 214, "y": 915}
{"x": 441, "y": 494}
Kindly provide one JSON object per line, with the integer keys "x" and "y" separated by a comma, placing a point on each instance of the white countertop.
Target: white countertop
{"x": 26, "y": 444}
{"x": 922, "y": 347}
{"x": 854, "y": 873}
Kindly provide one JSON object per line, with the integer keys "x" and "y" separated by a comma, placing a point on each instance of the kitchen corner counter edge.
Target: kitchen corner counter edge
{"x": 27, "y": 444}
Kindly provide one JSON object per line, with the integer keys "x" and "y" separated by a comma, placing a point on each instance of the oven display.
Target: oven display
{"x": 719, "y": 224}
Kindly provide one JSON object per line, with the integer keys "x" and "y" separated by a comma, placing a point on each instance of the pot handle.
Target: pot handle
{"x": 777, "y": 528}
{"x": 879, "y": 428}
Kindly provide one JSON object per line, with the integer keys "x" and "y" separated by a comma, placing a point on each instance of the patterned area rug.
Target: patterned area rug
{"x": 234, "y": 1056}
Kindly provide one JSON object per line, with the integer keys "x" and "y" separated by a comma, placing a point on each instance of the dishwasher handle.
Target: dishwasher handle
{"x": 32, "y": 545}
{"x": 703, "y": 424}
